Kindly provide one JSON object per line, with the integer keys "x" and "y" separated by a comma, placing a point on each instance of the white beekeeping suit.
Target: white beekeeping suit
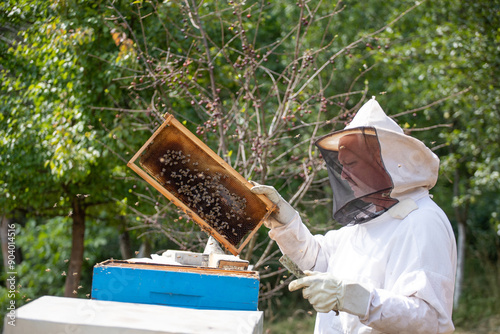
{"x": 391, "y": 267}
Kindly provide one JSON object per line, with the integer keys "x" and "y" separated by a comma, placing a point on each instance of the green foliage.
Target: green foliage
{"x": 479, "y": 300}
{"x": 45, "y": 99}
{"x": 45, "y": 249}
{"x": 298, "y": 324}
{"x": 453, "y": 51}
{"x": 55, "y": 148}
{"x": 85, "y": 83}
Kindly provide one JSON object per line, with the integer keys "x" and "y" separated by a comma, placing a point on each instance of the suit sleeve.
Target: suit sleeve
{"x": 309, "y": 252}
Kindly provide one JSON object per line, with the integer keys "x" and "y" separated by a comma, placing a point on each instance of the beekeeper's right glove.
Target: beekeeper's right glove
{"x": 327, "y": 293}
{"x": 284, "y": 212}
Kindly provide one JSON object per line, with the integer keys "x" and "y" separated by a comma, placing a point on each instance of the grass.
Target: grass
{"x": 298, "y": 324}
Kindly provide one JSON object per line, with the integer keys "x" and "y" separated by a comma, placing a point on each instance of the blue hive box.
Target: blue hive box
{"x": 172, "y": 285}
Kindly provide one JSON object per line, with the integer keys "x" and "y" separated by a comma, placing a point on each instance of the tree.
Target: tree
{"x": 53, "y": 162}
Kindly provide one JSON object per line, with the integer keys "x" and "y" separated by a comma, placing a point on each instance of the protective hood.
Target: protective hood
{"x": 372, "y": 165}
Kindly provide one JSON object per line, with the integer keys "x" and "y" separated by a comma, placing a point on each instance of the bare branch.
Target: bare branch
{"x": 432, "y": 104}
{"x": 353, "y": 44}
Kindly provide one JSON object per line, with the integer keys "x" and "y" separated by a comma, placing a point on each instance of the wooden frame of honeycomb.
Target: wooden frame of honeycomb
{"x": 204, "y": 186}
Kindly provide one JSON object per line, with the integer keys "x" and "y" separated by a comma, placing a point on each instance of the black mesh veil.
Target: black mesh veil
{"x": 360, "y": 183}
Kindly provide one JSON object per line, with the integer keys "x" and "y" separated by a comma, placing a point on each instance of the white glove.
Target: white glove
{"x": 327, "y": 293}
{"x": 284, "y": 212}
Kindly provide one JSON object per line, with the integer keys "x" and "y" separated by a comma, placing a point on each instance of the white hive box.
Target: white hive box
{"x": 50, "y": 314}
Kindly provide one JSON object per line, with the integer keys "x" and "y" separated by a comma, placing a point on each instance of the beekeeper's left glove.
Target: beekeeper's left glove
{"x": 327, "y": 293}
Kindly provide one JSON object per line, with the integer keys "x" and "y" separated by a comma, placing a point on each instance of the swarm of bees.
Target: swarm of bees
{"x": 205, "y": 192}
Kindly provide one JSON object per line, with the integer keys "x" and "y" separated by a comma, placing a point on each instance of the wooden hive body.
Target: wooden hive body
{"x": 179, "y": 286}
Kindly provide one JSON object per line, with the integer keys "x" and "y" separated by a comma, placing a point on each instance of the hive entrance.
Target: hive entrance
{"x": 203, "y": 185}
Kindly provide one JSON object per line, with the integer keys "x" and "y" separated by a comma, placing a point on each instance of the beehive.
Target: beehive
{"x": 187, "y": 172}
{"x": 173, "y": 285}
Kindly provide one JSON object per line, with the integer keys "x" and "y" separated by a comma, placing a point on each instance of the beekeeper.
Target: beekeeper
{"x": 391, "y": 267}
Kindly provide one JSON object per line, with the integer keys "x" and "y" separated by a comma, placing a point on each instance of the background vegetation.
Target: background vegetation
{"x": 85, "y": 83}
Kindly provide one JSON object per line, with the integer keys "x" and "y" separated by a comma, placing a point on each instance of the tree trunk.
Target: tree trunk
{"x": 250, "y": 248}
{"x": 125, "y": 246}
{"x": 461, "y": 214}
{"x": 145, "y": 249}
{"x": 10, "y": 251}
{"x": 4, "y": 240}
{"x": 77, "y": 248}
{"x": 462, "y": 237}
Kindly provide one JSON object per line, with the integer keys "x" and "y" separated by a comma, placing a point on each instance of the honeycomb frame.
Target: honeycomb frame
{"x": 200, "y": 183}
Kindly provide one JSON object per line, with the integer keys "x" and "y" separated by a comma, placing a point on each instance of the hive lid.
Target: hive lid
{"x": 205, "y": 187}
{"x": 177, "y": 268}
